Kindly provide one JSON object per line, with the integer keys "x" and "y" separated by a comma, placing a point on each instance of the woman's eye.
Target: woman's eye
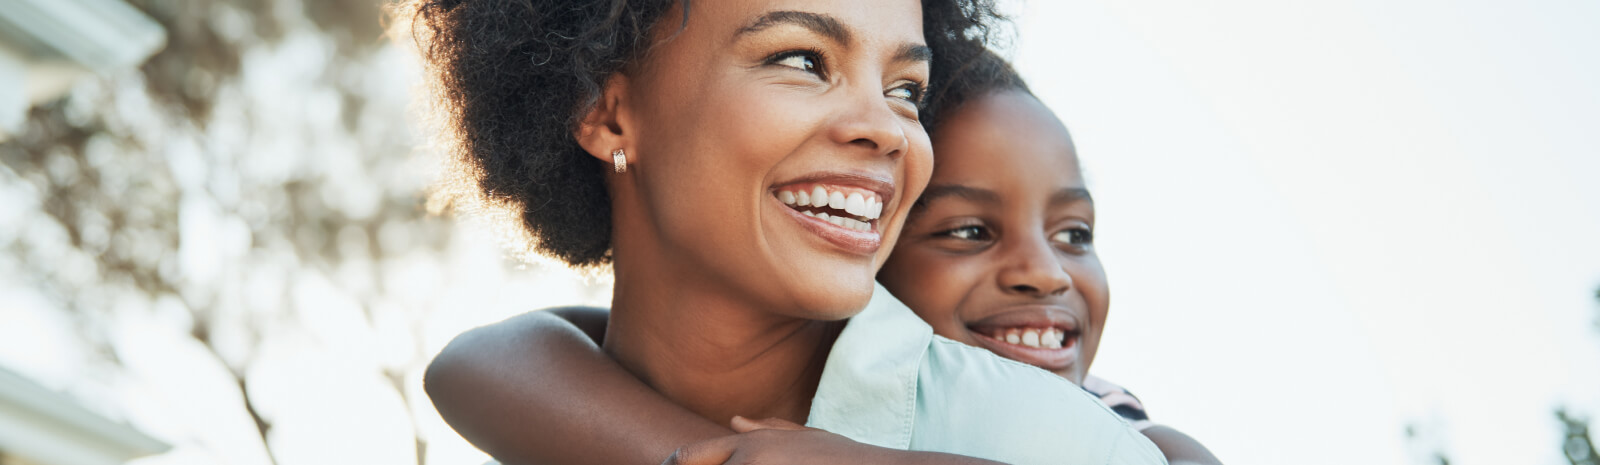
{"x": 908, "y": 92}
{"x": 967, "y": 233}
{"x": 801, "y": 60}
{"x": 1075, "y": 236}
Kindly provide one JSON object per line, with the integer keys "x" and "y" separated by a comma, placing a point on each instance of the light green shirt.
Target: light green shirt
{"x": 891, "y": 382}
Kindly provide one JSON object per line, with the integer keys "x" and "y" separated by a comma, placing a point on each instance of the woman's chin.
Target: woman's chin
{"x": 837, "y": 302}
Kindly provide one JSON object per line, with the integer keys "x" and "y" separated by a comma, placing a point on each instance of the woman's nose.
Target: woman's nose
{"x": 867, "y": 121}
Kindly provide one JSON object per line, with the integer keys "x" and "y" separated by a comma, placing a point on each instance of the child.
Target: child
{"x": 999, "y": 250}
{"x": 997, "y": 254}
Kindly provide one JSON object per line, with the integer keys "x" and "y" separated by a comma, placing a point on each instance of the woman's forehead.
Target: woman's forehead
{"x": 846, "y": 20}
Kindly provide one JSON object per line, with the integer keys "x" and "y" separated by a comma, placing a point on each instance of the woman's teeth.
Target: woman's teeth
{"x": 1050, "y": 338}
{"x": 841, "y": 221}
{"x": 852, "y": 211}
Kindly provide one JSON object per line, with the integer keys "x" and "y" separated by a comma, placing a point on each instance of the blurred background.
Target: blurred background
{"x": 1352, "y": 232}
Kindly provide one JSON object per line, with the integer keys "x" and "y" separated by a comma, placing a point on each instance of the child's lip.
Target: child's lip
{"x": 1054, "y": 360}
{"x": 1035, "y": 316}
{"x": 1040, "y": 317}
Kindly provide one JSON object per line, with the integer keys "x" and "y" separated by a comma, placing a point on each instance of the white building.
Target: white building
{"x": 46, "y": 45}
{"x": 42, "y": 427}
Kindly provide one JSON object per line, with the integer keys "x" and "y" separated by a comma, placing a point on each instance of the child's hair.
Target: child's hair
{"x": 981, "y": 75}
{"x": 511, "y": 78}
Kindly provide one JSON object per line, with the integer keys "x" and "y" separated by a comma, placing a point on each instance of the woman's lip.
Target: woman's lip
{"x": 855, "y": 242}
{"x": 1048, "y": 359}
{"x": 881, "y": 184}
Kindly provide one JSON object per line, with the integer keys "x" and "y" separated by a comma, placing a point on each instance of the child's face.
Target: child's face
{"x": 1000, "y": 254}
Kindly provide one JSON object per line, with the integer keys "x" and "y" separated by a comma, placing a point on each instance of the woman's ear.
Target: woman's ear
{"x": 605, "y": 128}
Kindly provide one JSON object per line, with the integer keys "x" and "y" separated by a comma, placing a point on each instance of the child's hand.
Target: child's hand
{"x": 775, "y": 441}
{"x": 770, "y": 441}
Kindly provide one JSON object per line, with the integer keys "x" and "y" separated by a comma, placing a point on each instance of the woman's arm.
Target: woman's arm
{"x": 534, "y": 389}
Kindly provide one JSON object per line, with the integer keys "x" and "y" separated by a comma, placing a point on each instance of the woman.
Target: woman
{"x": 661, "y": 147}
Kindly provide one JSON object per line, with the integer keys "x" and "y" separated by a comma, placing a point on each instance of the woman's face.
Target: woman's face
{"x": 753, "y": 106}
{"x": 1000, "y": 254}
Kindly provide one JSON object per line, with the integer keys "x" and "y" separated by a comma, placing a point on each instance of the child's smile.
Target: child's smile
{"x": 1045, "y": 336}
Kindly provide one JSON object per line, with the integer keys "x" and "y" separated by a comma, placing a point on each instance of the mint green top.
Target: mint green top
{"x": 891, "y": 382}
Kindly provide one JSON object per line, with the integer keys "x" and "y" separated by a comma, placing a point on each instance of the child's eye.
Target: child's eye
{"x": 1075, "y": 237}
{"x": 804, "y": 60}
{"x": 967, "y": 233}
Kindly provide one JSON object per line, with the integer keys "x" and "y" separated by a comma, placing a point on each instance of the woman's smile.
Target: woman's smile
{"x": 843, "y": 209}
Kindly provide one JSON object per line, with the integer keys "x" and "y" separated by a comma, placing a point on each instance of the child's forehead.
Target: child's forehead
{"x": 987, "y": 128}
{"x": 1000, "y": 146}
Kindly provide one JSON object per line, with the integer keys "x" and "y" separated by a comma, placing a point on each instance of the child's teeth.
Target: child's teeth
{"x": 819, "y": 197}
{"x": 1013, "y": 338}
{"x": 1030, "y": 337}
{"x": 855, "y": 205}
{"x": 1052, "y": 339}
{"x": 786, "y": 197}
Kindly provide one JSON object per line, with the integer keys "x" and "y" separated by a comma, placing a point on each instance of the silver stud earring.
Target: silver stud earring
{"x": 619, "y": 160}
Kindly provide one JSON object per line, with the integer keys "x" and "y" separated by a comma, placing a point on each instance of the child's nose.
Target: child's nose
{"x": 1035, "y": 270}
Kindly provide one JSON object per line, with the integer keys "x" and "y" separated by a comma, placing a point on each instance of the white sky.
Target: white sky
{"x": 1324, "y": 220}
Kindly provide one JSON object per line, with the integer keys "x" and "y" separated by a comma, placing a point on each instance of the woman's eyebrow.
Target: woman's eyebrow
{"x": 824, "y": 25}
{"x": 914, "y": 52}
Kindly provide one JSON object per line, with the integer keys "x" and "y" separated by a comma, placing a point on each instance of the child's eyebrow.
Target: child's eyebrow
{"x": 1068, "y": 195}
{"x": 937, "y": 191}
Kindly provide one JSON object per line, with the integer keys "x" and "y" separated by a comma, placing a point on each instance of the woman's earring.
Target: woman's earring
{"x": 619, "y": 160}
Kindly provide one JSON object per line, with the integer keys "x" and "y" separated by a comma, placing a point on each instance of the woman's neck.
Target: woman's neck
{"x": 712, "y": 353}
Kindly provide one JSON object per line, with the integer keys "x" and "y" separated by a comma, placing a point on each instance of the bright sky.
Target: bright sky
{"x": 1326, "y": 220}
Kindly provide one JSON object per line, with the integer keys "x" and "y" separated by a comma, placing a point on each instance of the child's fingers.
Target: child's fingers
{"x": 745, "y": 425}
{"x": 707, "y": 452}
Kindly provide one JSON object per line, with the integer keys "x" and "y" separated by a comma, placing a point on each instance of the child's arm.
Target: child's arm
{"x": 1179, "y": 448}
{"x": 535, "y": 389}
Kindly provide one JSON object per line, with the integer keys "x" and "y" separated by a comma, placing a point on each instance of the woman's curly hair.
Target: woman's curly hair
{"x": 512, "y": 78}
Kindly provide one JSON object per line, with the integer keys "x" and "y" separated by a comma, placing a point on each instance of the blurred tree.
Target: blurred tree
{"x": 1577, "y": 445}
{"x": 266, "y": 143}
